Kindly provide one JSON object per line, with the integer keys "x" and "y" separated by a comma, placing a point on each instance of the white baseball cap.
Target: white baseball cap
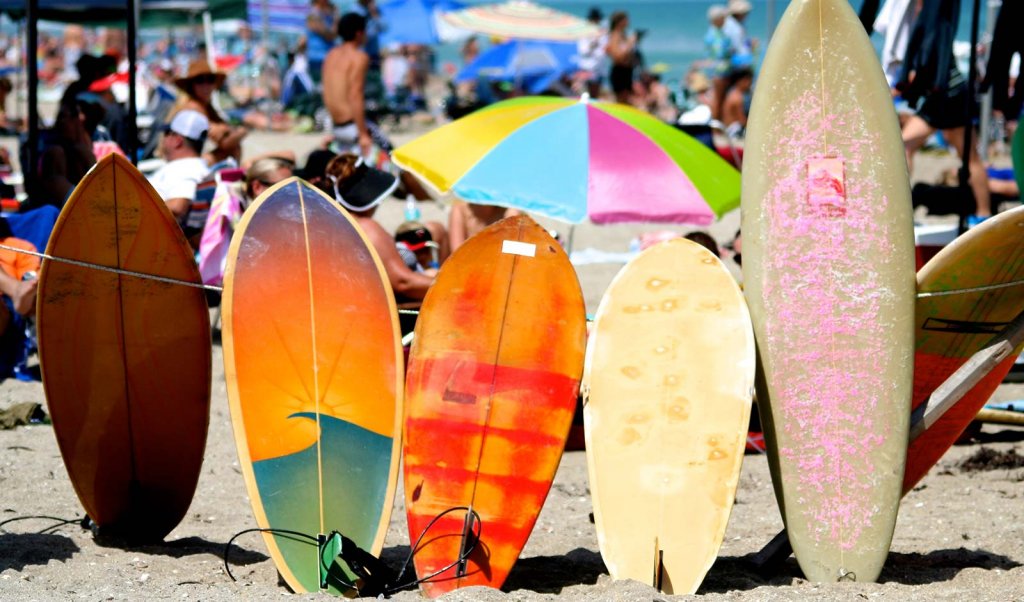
{"x": 190, "y": 124}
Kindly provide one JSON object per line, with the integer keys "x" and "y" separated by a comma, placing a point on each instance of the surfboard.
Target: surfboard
{"x": 314, "y": 375}
{"x": 828, "y": 268}
{"x": 989, "y": 259}
{"x": 125, "y": 360}
{"x": 668, "y": 384}
{"x": 493, "y": 379}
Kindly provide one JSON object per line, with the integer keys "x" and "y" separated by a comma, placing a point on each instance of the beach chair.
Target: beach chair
{"x": 18, "y": 342}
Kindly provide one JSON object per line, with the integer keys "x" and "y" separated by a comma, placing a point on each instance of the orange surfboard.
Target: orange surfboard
{"x": 125, "y": 360}
{"x": 952, "y": 328}
{"x": 493, "y": 378}
{"x": 313, "y": 364}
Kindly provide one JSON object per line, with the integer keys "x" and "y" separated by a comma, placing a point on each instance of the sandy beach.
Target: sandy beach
{"x": 960, "y": 533}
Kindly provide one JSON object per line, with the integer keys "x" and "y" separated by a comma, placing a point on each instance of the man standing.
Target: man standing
{"x": 182, "y": 147}
{"x": 345, "y": 71}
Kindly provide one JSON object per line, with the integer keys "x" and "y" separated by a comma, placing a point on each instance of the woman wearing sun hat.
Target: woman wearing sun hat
{"x": 197, "y": 88}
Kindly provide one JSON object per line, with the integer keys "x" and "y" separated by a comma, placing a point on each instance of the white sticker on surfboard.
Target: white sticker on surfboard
{"x": 514, "y": 247}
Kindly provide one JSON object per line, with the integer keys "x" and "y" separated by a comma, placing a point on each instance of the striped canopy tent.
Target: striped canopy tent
{"x": 280, "y": 16}
{"x": 521, "y": 20}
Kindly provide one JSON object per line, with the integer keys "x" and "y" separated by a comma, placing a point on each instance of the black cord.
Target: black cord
{"x": 60, "y": 522}
{"x": 306, "y": 538}
{"x": 419, "y": 540}
{"x": 296, "y": 535}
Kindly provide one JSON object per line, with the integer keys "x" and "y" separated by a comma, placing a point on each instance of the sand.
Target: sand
{"x": 960, "y": 534}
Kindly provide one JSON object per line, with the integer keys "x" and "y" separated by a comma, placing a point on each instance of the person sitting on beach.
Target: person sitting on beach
{"x": 67, "y": 156}
{"x": 264, "y": 173}
{"x": 417, "y": 247}
{"x": 466, "y": 220}
{"x": 360, "y": 188}
{"x": 705, "y": 240}
{"x": 8, "y": 126}
{"x": 197, "y": 89}
{"x": 182, "y": 146}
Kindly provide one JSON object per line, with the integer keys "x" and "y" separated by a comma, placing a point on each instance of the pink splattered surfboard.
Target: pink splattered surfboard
{"x": 828, "y": 268}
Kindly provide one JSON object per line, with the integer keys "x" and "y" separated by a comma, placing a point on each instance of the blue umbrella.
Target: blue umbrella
{"x": 534, "y": 64}
{"x": 413, "y": 21}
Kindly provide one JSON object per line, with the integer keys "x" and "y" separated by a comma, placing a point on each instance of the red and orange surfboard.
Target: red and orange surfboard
{"x": 492, "y": 386}
{"x": 953, "y": 327}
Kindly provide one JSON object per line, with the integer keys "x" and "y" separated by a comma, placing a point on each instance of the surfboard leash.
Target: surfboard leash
{"x": 82, "y": 521}
{"x": 378, "y": 579}
{"x": 465, "y": 550}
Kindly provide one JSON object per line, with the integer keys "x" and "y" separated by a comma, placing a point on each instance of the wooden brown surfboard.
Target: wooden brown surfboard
{"x": 125, "y": 360}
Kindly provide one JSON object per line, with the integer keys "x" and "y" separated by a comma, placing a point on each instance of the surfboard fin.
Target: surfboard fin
{"x": 659, "y": 565}
{"x": 469, "y": 541}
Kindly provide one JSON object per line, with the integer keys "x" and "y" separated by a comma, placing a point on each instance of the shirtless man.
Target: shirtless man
{"x": 344, "y": 80}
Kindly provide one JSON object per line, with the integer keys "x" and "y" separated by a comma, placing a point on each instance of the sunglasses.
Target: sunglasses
{"x": 205, "y": 79}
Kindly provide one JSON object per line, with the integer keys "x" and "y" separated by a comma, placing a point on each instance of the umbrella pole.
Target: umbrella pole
{"x": 572, "y": 238}
{"x": 133, "y": 109}
{"x": 972, "y": 78}
{"x": 32, "y": 155}
{"x": 985, "y": 123}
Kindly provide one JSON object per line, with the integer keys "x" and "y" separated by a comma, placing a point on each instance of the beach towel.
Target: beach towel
{"x": 225, "y": 210}
{"x": 16, "y": 264}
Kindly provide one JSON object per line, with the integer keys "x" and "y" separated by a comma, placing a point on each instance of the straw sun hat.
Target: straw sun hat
{"x": 198, "y": 70}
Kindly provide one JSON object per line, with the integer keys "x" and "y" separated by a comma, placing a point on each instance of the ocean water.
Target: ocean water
{"x": 676, "y": 27}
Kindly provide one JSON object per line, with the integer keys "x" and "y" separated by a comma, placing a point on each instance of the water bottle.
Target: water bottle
{"x": 412, "y": 210}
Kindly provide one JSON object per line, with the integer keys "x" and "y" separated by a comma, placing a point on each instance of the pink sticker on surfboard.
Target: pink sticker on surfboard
{"x": 826, "y": 186}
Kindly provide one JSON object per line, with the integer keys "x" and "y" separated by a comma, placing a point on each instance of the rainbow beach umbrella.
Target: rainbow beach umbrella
{"x": 572, "y": 159}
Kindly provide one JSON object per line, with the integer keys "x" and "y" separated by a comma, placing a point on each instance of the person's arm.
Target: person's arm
{"x": 457, "y": 225}
{"x": 620, "y": 48}
{"x": 179, "y": 207}
{"x": 21, "y": 292}
{"x": 357, "y": 100}
{"x": 405, "y": 282}
{"x": 317, "y": 26}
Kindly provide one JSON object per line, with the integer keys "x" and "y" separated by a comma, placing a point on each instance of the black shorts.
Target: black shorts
{"x": 621, "y": 78}
{"x": 946, "y": 109}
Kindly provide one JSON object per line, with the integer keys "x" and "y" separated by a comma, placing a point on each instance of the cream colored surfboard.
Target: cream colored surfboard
{"x": 828, "y": 269}
{"x": 668, "y": 384}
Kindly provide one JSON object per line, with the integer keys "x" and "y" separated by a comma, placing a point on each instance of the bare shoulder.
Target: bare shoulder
{"x": 375, "y": 232}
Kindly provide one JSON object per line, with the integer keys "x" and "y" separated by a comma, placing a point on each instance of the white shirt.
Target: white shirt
{"x": 592, "y": 53}
{"x": 737, "y": 35}
{"x": 177, "y": 179}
